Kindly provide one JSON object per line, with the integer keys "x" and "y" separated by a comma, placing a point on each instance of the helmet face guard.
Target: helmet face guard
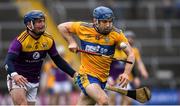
{"x": 31, "y": 17}
{"x": 102, "y": 13}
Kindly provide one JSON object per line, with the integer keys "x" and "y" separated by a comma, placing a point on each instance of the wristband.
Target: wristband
{"x": 13, "y": 74}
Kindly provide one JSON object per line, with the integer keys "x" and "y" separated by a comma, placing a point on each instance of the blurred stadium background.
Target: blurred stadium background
{"x": 155, "y": 22}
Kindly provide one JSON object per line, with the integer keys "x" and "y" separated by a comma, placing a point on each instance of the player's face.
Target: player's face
{"x": 105, "y": 26}
{"x": 39, "y": 26}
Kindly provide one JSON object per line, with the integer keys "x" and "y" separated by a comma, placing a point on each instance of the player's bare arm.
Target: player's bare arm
{"x": 64, "y": 29}
{"x": 124, "y": 78}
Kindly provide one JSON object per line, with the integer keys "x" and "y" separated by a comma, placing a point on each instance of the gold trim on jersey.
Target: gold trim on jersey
{"x": 22, "y": 37}
{"x": 29, "y": 44}
{"x": 48, "y": 35}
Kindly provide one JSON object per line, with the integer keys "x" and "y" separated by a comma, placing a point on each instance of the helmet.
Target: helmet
{"x": 32, "y": 15}
{"x": 103, "y": 13}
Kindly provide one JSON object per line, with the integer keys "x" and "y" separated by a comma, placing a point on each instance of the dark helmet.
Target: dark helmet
{"x": 103, "y": 13}
{"x": 32, "y": 15}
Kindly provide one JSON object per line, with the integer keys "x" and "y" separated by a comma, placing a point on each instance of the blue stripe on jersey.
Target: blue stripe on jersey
{"x": 97, "y": 48}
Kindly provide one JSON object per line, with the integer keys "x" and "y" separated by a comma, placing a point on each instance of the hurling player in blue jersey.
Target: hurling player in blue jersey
{"x": 25, "y": 57}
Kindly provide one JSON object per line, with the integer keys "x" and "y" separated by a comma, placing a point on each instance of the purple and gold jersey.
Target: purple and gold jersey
{"x": 31, "y": 53}
{"x": 91, "y": 40}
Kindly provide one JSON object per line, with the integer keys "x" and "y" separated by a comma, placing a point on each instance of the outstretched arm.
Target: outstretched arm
{"x": 59, "y": 61}
{"x": 63, "y": 65}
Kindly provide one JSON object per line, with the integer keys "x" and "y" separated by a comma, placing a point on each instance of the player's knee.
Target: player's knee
{"x": 103, "y": 100}
{"x": 20, "y": 101}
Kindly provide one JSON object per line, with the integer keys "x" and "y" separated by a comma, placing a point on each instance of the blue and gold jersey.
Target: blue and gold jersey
{"x": 120, "y": 54}
{"x": 91, "y": 40}
{"x": 31, "y": 53}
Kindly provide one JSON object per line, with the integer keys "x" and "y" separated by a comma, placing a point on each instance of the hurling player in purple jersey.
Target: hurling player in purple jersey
{"x": 25, "y": 57}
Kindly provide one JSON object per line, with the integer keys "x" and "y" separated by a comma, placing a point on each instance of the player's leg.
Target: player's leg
{"x": 111, "y": 94}
{"x": 126, "y": 100}
{"x": 56, "y": 98}
{"x": 18, "y": 96}
{"x": 17, "y": 93}
{"x": 57, "y": 91}
{"x": 97, "y": 94}
{"x": 32, "y": 93}
{"x": 112, "y": 98}
{"x": 67, "y": 87}
{"x": 92, "y": 90}
{"x": 51, "y": 96}
{"x": 31, "y": 103}
{"x": 85, "y": 100}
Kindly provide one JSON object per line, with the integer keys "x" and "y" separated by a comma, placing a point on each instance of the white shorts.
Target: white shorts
{"x": 31, "y": 89}
{"x": 62, "y": 87}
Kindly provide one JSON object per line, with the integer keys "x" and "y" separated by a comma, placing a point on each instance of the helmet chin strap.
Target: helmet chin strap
{"x": 31, "y": 29}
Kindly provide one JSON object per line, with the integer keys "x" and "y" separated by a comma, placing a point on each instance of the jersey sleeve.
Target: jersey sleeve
{"x": 121, "y": 38}
{"x": 15, "y": 47}
{"x": 75, "y": 27}
{"x": 53, "y": 51}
